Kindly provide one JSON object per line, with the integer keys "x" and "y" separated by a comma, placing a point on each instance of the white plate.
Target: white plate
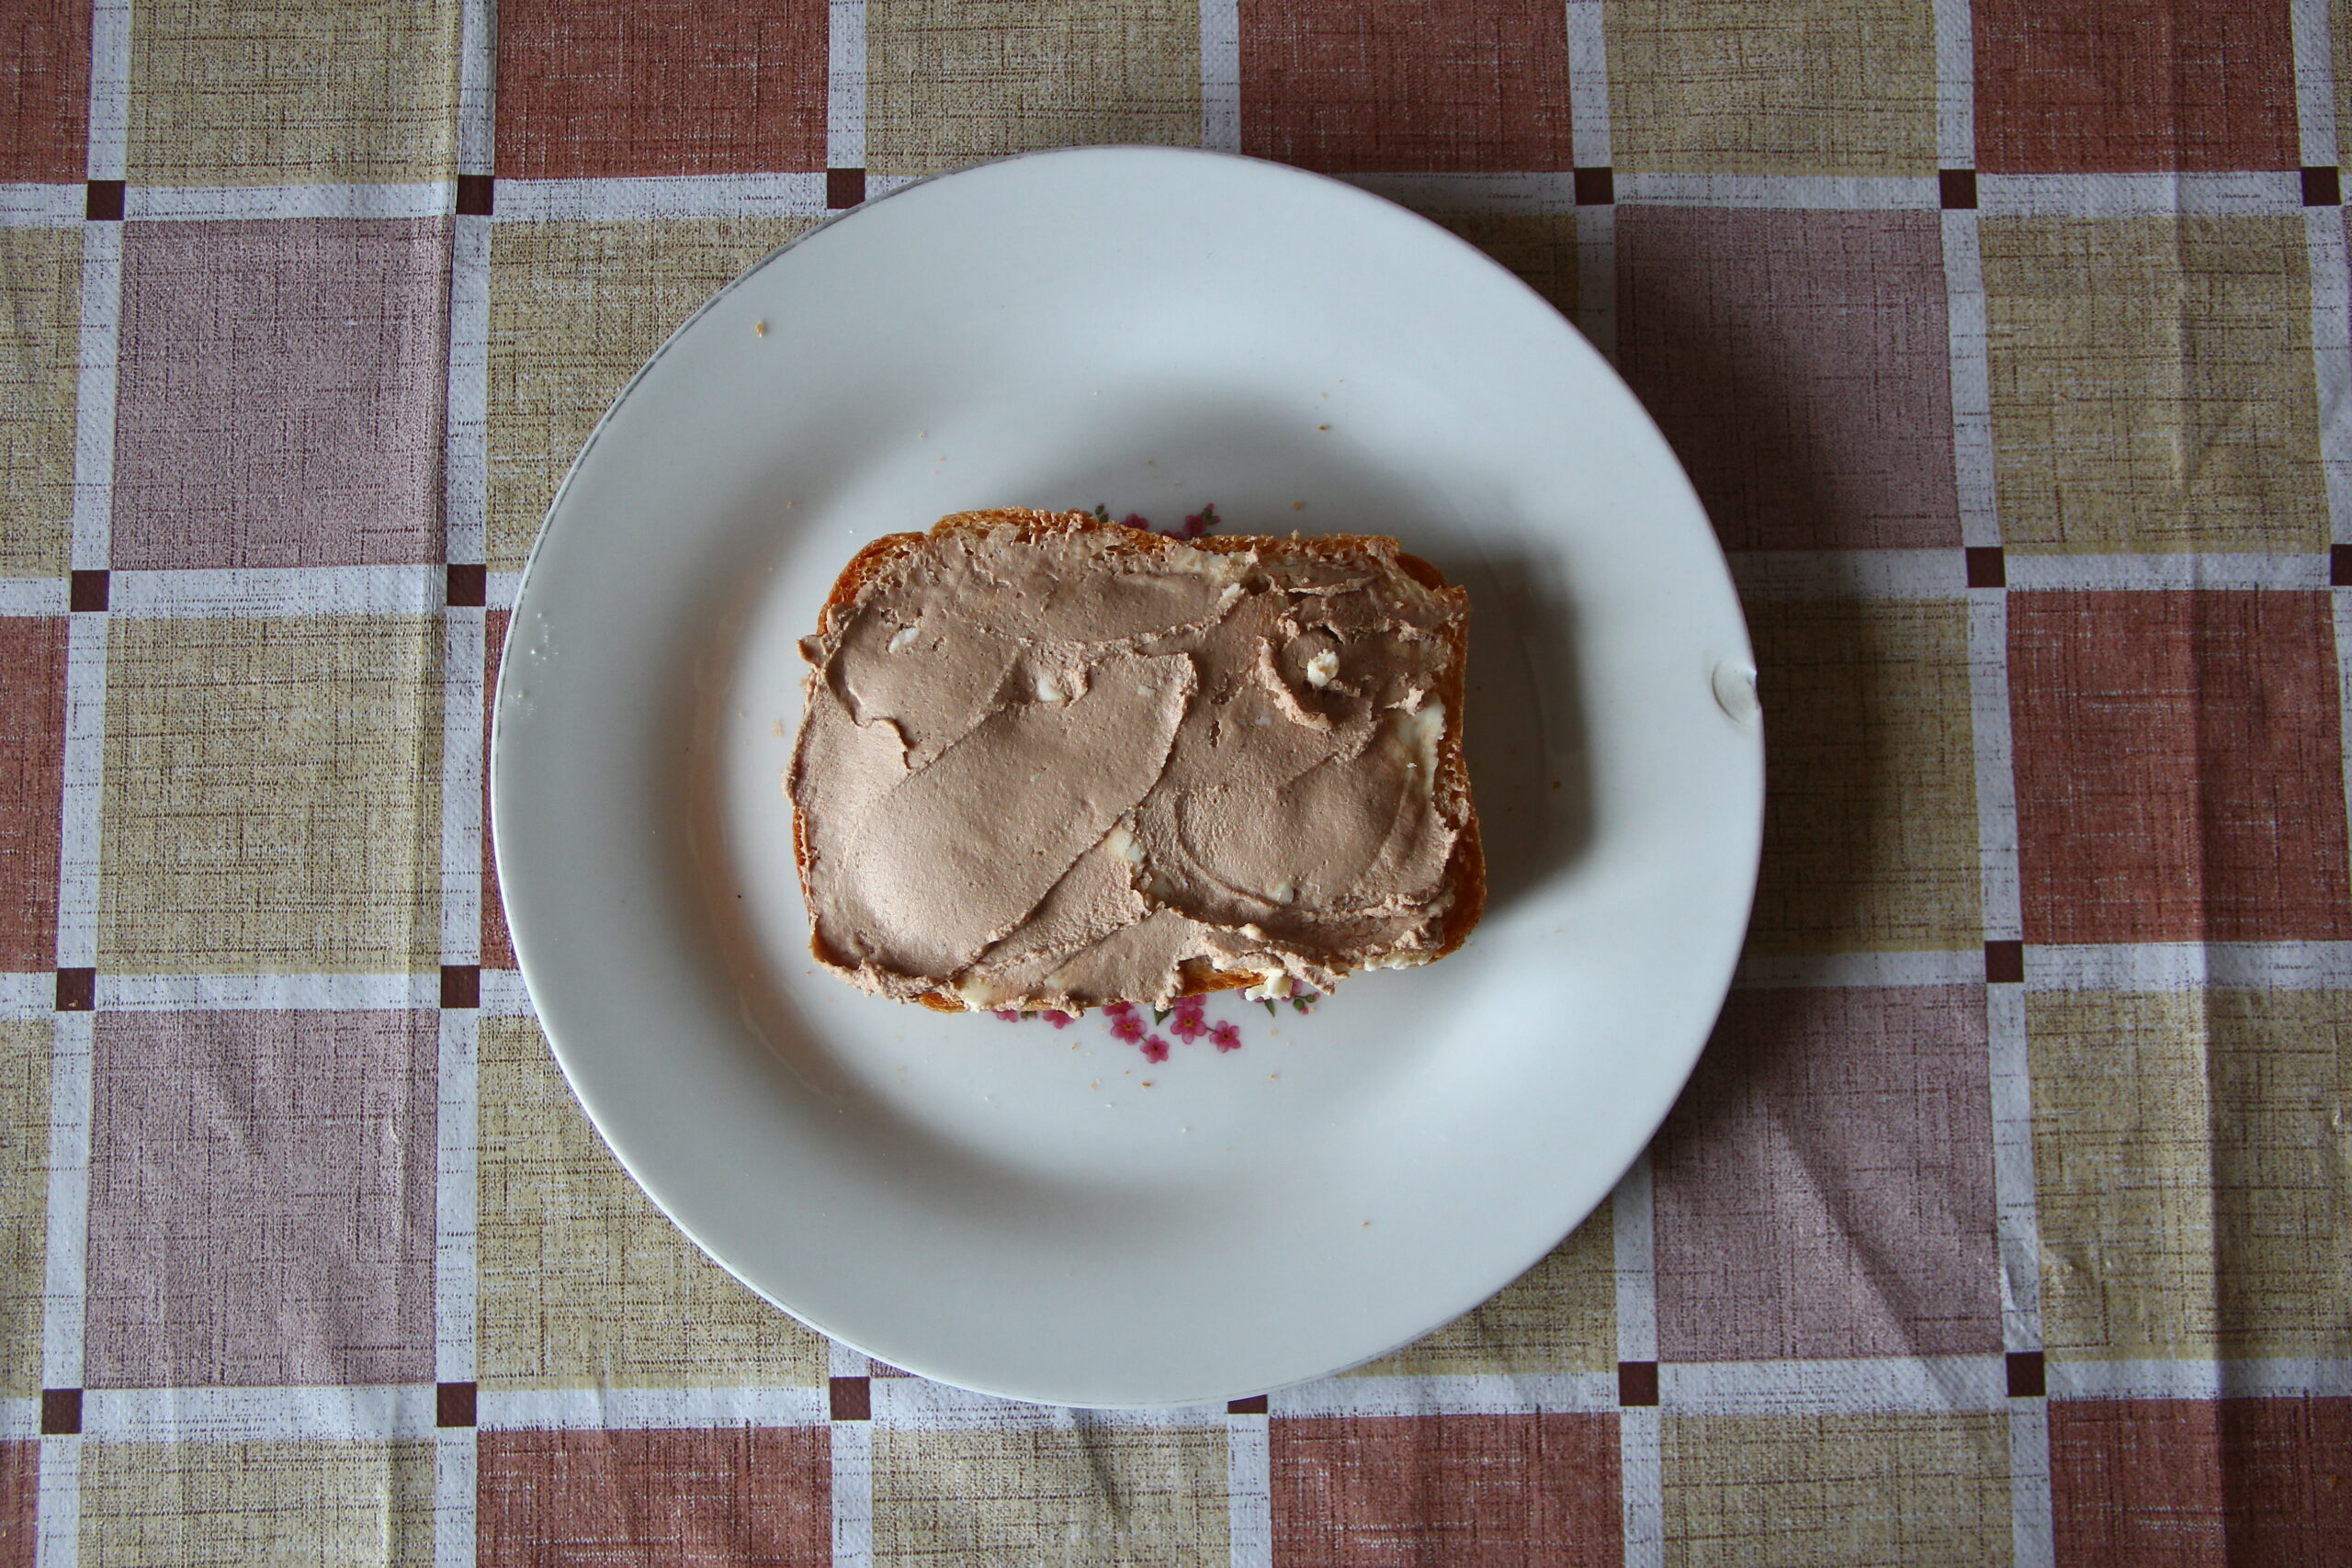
{"x": 1006, "y": 1206}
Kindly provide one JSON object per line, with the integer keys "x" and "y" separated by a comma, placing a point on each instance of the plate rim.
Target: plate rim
{"x": 499, "y": 705}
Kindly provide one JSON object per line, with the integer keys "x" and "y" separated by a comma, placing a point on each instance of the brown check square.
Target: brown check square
{"x": 19, "y": 1503}
{"x": 727, "y": 1498}
{"x": 2128, "y": 85}
{"x": 631, "y": 89}
{"x": 2179, "y": 767}
{"x": 32, "y": 782}
{"x": 2199, "y": 1482}
{"x": 1467, "y": 1491}
{"x": 1407, "y": 85}
{"x": 44, "y": 91}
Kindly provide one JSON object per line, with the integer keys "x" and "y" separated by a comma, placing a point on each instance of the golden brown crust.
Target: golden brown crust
{"x": 1467, "y": 872}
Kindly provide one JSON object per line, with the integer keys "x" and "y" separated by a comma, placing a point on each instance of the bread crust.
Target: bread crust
{"x": 1465, "y": 870}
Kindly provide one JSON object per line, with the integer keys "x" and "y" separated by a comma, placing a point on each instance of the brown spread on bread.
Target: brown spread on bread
{"x": 1052, "y": 763}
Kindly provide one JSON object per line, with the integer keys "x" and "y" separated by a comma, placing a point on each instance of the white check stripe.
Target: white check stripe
{"x": 2032, "y": 1540}
{"x": 1589, "y": 83}
{"x": 2266, "y": 1378}
{"x": 1248, "y": 1493}
{"x": 918, "y": 1405}
{"x": 64, "y": 1280}
{"x": 2138, "y": 573}
{"x": 1827, "y": 193}
{"x": 677, "y": 195}
{"x": 110, "y": 89}
{"x": 1937, "y": 1383}
{"x": 84, "y": 804}
{"x": 94, "y": 396}
{"x": 504, "y": 995}
{"x": 1955, "y": 85}
{"x": 1633, "y": 1240}
{"x": 2323, "y": 246}
{"x": 1850, "y": 574}
{"x": 28, "y": 994}
{"x": 257, "y": 1415}
{"x": 502, "y": 589}
{"x": 1840, "y": 969}
{"x": 1597, "y": 277}
{"x": 455, "y": 1488}
{"x": 2016, "y": 1199}
{"x": 845, "y": 84}
{"x": 279, "y": 590}
{"x": 464, "y": 486}
{"x": 841, "y": 1361}
{"x": 463, "y": 636}
{"x": 219, "y": 204}
{"x": 1483, "y": 1394}
{"x": 2138, "y": 195}
{"x": 1641, "y": 1486}
{"x": 853, "y": 1494}
{"x": 455, "y": 1199}
{"x": 2190, "y": 966}
{"x": 1972, "y": 380}
{"x": 1449, "y": 195}
{"x": 2314, "y": 82}
{"x": 266, "y": 993}
{"x": 32, "y": 595}
{"x": 19, "y": 1420}
{"x": 643, "y": 1409}
{"x": 1221, "y": 75}
{"x": 1993, "y": 745}
{"x": 477, "y": 86}
{"x": 27, "y": 206}
{"x": 57, "y": 1533}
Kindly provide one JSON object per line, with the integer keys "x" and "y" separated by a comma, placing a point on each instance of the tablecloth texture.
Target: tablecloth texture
{"x": 2010, "y": 1213}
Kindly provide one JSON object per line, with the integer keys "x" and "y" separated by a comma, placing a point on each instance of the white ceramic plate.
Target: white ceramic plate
{"x": 1007, "y": 1206}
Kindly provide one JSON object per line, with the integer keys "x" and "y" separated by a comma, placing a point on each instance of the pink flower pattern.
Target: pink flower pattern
{"x": 1187, "y": 1020}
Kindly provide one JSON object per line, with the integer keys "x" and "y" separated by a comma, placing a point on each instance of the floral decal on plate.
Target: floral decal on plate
{"x": 1149, "y": 1028}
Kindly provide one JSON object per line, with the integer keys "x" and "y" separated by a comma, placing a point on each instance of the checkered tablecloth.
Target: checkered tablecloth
{"x": 2009, "y": 1216}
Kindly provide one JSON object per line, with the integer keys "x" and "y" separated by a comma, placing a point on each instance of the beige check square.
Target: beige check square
{"x": 2152, "y": 384}
{"x": 1870, "y": 835}
{"x": 273, "y": 800}
{"x": 228, "y": 1504}
{"x": 1137, "y": 1498}
{"x": 1540, "y": 247}
{"x": 2189, "y": 1164}
{"x": 1813, "y": 1491}
{"x": 293, "y": 91}
{"x": 1559, "y": 1316}
{"x": 575, "y": 308}
{"x": 582, "y": 1281}
{"x": 1801, "y": 87}
{"x": 24, "y": 1201}
{"x": 955, "y": 82}
{"x": 40, "y": 298}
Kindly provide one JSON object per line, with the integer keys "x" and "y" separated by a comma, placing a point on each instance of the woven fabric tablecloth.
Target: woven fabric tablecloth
{"x": 2009, "y": 1215}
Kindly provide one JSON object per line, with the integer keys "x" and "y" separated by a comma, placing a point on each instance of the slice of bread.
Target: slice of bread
{"x": 1049, "y": 761}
